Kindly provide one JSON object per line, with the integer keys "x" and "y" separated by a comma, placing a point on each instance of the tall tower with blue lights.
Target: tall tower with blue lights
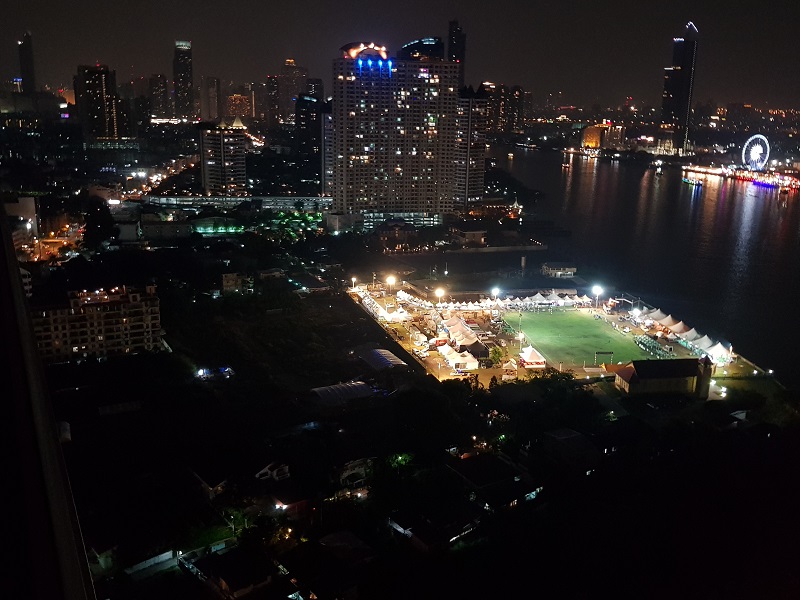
{"x": 676, "y": 100}
{"x": 394, "y": 129}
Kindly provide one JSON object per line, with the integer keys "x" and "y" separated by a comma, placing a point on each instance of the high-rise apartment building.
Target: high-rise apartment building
{"x": 457, "y": 48}
{"x": 676, "y": 101}
{"x": 111, "y": 322}
{"x": 158, "y": 93}
{"x": 308, "y": 124}
{"x": 183, "y": 80}
{"x": 394, "y": 132}
{"x": 292, "y": 83}
{"x": 223, "y": 151}
{"x": 472, "y": 115}
{"x": 98, "y": 105}
{"x": 210, "y": 98}
{"x": 26, "y": 67}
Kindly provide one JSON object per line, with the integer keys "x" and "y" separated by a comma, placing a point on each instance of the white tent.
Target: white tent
{"x": 679, "y": 327}
{"x": 463, "y": 360}
{"x": 704, "y": 343}
{"x": 667, "y": 321}
{"x": 586, "y": 299}
{"x": 553, "y": 297}
{"x": 577, "y": 299}
{"x": 691, "y": 335}
{"x": 719, "y": 352}
{"x": 511, "y": 365}
{"x": 646, "y": 311}
{"x": 538, "y": 298}
{"x": 656, "y": 315}
{"x": 445, "y": 350}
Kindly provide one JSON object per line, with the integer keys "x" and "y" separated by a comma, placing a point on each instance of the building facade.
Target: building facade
{"x": 99, "y": 107}
{"x": 676, "y": 100}
{"x": 394, "y": 127}
{"x": 471, "y": 124}
{"x": 223, "y": 151}
{"x": 183, "y": 80}
{"x": 101, "y": 323}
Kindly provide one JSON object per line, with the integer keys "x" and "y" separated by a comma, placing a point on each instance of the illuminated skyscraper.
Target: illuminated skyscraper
{"x": 676, "y": 101}
{"x": 99, "y": 108}
{"x": 223, "y": 150}
{"x": 457, "y": 49}
{"x": 183, "y": 81}
{"x": 26, "y": 69}
{"x": 394, "y": 133}
{"x": 315, "y": 88}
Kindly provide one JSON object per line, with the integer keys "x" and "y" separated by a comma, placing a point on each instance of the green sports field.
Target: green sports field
{"x": 571, "y": 337}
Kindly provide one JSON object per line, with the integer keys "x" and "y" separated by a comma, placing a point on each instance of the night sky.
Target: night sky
{"x": 592, "y": 51}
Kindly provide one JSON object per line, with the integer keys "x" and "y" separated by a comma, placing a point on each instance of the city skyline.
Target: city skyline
{"x": 545, "y": 49}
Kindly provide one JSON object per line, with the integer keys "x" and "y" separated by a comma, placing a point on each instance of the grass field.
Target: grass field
{"x": 572, "y": 337}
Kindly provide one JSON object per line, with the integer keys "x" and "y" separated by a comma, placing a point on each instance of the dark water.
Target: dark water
{"x": 724, "y": 258}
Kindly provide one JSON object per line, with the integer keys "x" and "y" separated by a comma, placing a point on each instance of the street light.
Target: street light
{"x": 495, "y": 292}
{"x": 391, "y": 281}
{"x": 439, "y": 293}
{"x": 597, "y": 290}
{"x": 354, "y": 283}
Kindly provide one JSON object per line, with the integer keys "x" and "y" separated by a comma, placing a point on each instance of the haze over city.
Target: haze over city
{"x": 592, "y": 52}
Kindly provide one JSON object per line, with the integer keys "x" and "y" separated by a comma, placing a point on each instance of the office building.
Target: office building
{"x": 100, "y": 110}
{"x": 292, "y": 83}
{"x": 676, "y": 101}
{"x": 473, "y": 111}
{"x": 267, "y": 97}
{"x": 26, "y": 68}
{"x": 158, "y": 92}
{"x": 223, "y": 152}
{"x": 111, "y": 322}
{"x": 457, "y": 49}
{"x": 183, "y": 80}
{"x": 394, "y": 132}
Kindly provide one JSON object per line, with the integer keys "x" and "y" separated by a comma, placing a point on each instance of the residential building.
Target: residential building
{"x": 238, "y": 105}
{"x": 101, "y": 323}
{"x": 98, "y": 105}
{"x": 394, "y": 127}
{"x": 223, "y": 151}
{"x": 471, "y": 123}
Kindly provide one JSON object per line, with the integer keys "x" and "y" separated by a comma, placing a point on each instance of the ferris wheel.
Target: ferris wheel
{"x": 755, "y": 152}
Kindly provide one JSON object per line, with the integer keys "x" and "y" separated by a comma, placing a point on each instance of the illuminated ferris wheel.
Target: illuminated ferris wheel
{"x": 755, "y": 152}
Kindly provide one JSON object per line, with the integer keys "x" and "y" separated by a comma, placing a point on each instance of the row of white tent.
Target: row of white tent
{"x": 458, "y": 360}
{"x": 460, "y": 332}
{"x": 690, "y": 335}
{"x": 487, "y": 303}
